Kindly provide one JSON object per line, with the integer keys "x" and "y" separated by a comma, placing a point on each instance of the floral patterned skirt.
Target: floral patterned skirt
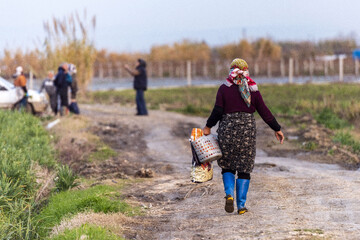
{"x": 237, "y": 140}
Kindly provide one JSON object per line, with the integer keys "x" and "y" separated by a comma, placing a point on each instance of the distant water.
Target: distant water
{"x": 106, "y": 84}
{"x": 127, "y": 83}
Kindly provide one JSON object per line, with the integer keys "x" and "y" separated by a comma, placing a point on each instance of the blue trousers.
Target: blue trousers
{"x": 140, "y": 103}
{"x": 23, "y": 103}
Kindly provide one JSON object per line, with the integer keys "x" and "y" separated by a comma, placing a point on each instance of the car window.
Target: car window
{"x": 2, "y": 88}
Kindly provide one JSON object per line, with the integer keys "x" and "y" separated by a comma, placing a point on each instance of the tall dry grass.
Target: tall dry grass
{"x": 71, "y": 40}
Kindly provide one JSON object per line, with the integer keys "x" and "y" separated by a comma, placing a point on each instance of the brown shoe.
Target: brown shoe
{"x": 229, "y": 204}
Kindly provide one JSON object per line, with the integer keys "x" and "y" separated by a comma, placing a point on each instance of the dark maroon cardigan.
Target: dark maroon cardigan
{"x": 229, "y": 100}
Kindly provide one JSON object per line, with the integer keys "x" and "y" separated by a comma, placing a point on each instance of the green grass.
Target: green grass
{"x": 101, "y": 198}
{"x": 103, "y": 152}
{"x": 310, "y": 146}
{"x": 89, "y": 232}
{"x": 193, "y": 101}
{"x": 316, "y": 231}
{"x": 65, "y": 179}
{"x": 23, "y": 143}
{"x": 25, "y": 134}
{"x": 329, "y": 119}
{"x": 345, "y": 138}
{"x": 342, "y": 99}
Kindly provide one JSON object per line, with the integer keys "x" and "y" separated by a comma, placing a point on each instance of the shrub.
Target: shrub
{"x": 65, "y": 179}
{"x": 311, "y": 146}
{"x": 328, "y": 118}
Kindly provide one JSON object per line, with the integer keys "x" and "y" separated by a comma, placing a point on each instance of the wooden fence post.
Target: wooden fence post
{"x": 311, "y": 69}
{"x": 101, "y": 71}
{"x": 217, "y": 69}
{"x": 282, "y": 67}
{"x": 119, "y": 70}
{"x": 341, "y": 68}
{"x": 171, "y": 69}
{"x": 297, "y": 67}
{"x": 325, "y": 68}
{"x": 188, "y": 71}
{"x": 110, "y": 70}
{"x": 31, "y": 76}
{"x": 256, "y": 69}
{"x": 205, "y": 69}
{"x": 291, "y": 70}
{"x": 182, "y": 69}
{"x": 160, "y": 70}
{"x": 269, "y": 69}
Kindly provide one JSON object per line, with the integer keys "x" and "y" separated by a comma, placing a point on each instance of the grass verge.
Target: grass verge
{"x": 23, "y": 144}
{"x": 101, "y": 198}
{"x": 87, "y": 232}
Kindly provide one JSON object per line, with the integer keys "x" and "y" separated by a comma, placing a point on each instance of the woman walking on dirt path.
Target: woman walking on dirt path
{"x": 236, "y": 101}
{"x": 140, "y": 85}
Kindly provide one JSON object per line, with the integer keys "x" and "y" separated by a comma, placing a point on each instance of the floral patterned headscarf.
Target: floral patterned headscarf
{"x": 239, "y": 75}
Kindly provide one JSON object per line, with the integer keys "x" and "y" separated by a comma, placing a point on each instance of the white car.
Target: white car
{"x": 10, "y": 97}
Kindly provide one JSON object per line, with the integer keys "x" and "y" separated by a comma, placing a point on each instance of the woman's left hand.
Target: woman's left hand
{"x": 206, "y": 130}
{"x": 279, "y": 136}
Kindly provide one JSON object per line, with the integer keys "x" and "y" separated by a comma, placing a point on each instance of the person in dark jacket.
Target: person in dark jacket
{"x": 236, "y": 101}
{"x": 48, "y": 85}
{"x": 73, "y": 107}
{"x": 140, "y": 85}
{"x": 62, "y": 82}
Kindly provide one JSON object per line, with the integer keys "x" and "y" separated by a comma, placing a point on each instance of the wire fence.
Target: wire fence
{"x": 327, "y": 67}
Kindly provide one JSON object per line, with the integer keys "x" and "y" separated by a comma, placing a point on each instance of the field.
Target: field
{"x": 27, "y": 151}
{"x": 335, "y": 106}
{"x": 343, "y": 100}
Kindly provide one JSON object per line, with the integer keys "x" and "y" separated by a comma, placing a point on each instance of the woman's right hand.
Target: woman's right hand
{"x": 279, "y": 136}
{"x": 206, "y": 130}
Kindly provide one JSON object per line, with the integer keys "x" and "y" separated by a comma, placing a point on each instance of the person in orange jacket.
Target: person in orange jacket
{"x": 20, "y": 81}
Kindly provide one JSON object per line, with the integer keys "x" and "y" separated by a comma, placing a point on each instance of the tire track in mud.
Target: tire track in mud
{"x": 288, "y": 198}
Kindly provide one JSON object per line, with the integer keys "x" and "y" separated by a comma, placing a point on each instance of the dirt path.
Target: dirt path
{"x": 288, "y": 198}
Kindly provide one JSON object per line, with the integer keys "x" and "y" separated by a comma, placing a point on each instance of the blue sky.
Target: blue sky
{"x": 137, "y": 25}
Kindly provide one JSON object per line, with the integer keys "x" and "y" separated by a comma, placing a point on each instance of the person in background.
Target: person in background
{"x": 48, "y": 85}
{"x": 20, "y": 81}
{"x": 236, "y": 101}
{"x": 140, "y": 85}
{"x": 73, "y": 107}
{"x": 62, "y": 82}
